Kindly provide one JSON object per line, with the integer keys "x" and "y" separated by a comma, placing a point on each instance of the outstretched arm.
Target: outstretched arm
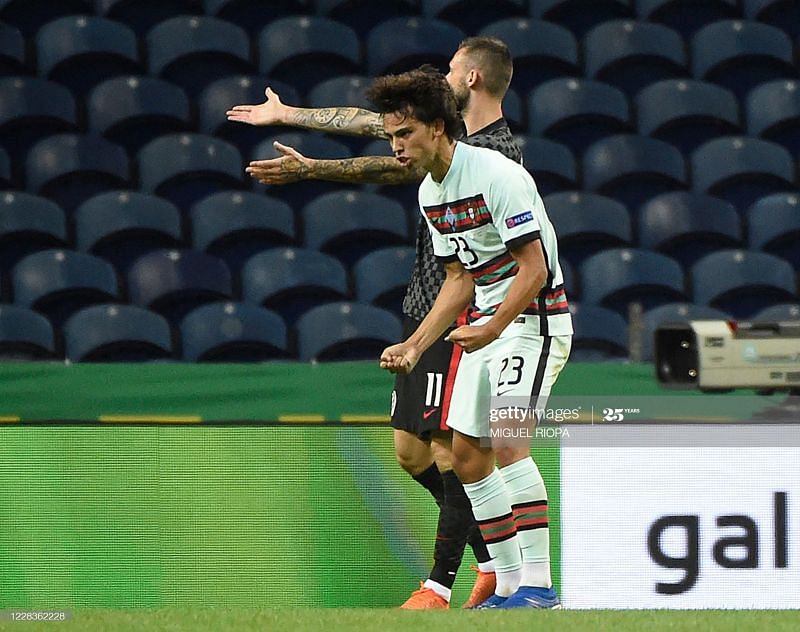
{"x": 336, "y": 120}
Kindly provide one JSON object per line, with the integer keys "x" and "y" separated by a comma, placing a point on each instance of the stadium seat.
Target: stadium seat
{"x": 633, "y": 169}
{"x": 121, "y": 226}
{"x": 235, "y": 225}
{"x": 70, "y": 168}
{"x": 471, "y": 15}
{"x": 783, "y": 14}
{"x": 513, "y": 111}
{"x": 571, "y": 281}
{"x": 741, "y": 282}
{"x": 687, "y": 113}
{"x": 402, "y": 44}
{"x": 780, "y": 312}
{"x": 292, "y": 280}
{"x": 349, "y": 224}
{"x": 57, "y": 283}
{"x": 617, "y": 277}
{"x": 741, "y": 169}
{"x": 6, "y": 180}
{"x": 687, "y": 226}
{"x": 193, "y": 51}
{"x": 346, "y": 331}
{"x": 542, "y": 51}
{"x": 304, "y": 50}
{"x": 132, "y": 111}
{"x": 362, "y": 15}
{"x": 673, "y": 313}
{"x": 220, "y": 96}
{"x": 25, "y": 335}
{"x": 774, "y": 223}
{"x": 80, "y": 51}
{"x": 29, "y": 15}
{"x": 551, "y": 164}
{"x": 254, "y": 15}
{"x": 142, "y": 15}
{"x": 31, "y": 109}
{"x": 631, "y": 55}
{"x": 12, "y": 52}
{"x": 174, "y": 282}
{"x": 117, "y": 333}
{"x": 773, "y": 113}
{"x": 580, "y": 15}
{"x": 587, "y": 223}
{"x": 740, "y": 55}
{"x": 577, "y": 112}
{"x": 600, "y": 334}
{"x": 184, "y": 168}
{"x": 233, "y": 332}
{"x": 381, "y": 277}
{"x": 684, "y": 16}
{"x": 27, "y": 224}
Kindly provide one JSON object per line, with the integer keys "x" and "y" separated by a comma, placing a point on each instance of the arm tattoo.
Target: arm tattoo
{"x": 356, "y": 121}
{"x": 363, "y": 170}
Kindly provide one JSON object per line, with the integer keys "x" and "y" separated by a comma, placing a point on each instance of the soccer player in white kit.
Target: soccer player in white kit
{"x": 490, "y": 228}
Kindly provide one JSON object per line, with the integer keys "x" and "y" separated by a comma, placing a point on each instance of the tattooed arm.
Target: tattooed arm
{"x": 336, "y": 120}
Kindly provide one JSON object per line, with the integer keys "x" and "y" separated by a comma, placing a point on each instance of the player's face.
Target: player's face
{"x": 457, "y": 78}
{"x": 413, "y": 142}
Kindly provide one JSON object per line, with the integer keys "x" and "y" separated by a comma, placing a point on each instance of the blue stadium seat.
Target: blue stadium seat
{"x": 235, "y": 225}
{"x": 194, "y": 51}
{"x": 362, "y": 15}
{"x": 70, "y": 168}
{"x": 57, "y": 283}
{"x": 784, "y": 14}
{"x": 571, "y": 281}
{"x": 617, "y": 277}
{"x": 741, "y": 282}
{"x": 220, "y": 96}
{"x": 741, "y": 169}
{"x": 253, "y": 15}
{"x": 774, "y": 223}
{"x": 349, "y": 224}
{"x": 141, "y": 15}
{"x": 402, "y": 44}
{"x": 577, "y": 112}
{"x": 233, "y": 332}
{"x": 780, "y": 312}
{"x": 684, "y": 16}
{"x": 80, "y": 51}
{"x": 633, "y": 169}
{"x": 600, "y": 334}
{"x": 121, "y": 226}
{"x": 12, "y": 52}
{"x": 293, "y": 280}
{"x": 587, "y": 223}
{"x": 304, "y": 50}
{"x": 381, "y": 277}
{"x": 185, "y": 168}
{"x": 6, "y": 180}
{"x": 132, "y": 111}
{"x": 346, "y": 331}
{"x": 631, "y": 55}
{"x": 174, "y": 282}
{"x": 471, "y": 15}
{"x": 542, "y": 51}
{"x": 687, "y": 113}
{"x": 673, "y": 313}
{"x": 740, "y": 55}
{"x": 31, "y": 109}
{"x": 117, "y": 333}
{"x": 27, "y": 224}
{"x": 29, "y": 15}
{"x": 552, "y": 165}
{"x": 580, "y": 15}
{"x": 25, "y": 335}
{"x": 687, "y": 226}
{"x": 773, "y": 113}
{"x": 513, "y": 111}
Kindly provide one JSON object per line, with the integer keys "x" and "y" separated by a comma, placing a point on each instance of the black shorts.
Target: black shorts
{"x": 420, "y": 400}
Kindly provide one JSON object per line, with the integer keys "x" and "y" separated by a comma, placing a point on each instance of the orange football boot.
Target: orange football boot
{"x": 425, "y": 599}
{"x": 485, "y": 583}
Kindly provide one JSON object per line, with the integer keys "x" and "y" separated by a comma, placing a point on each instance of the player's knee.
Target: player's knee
{"x": 442, "y": 450}
{"x": 511, "y": 454}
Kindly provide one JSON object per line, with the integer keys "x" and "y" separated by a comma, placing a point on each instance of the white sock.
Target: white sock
{"x": 443, "y": 591}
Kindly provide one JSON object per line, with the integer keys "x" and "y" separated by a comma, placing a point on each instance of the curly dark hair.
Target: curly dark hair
{"x": 422, "y": 93}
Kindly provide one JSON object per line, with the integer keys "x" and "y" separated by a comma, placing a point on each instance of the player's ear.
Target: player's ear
{"x": 472, "y": 77}
{"x": 438, "y": 128}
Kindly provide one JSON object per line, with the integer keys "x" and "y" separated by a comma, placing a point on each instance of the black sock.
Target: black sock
{"x": 455, "y": 522}
{"x": 455, "y": 493}
{"x": 431, "y": 480}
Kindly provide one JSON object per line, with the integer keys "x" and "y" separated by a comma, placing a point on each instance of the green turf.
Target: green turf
{"x": 388, "y": 620}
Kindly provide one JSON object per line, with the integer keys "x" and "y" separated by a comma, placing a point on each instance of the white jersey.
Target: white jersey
{"x": 485, "y": 206}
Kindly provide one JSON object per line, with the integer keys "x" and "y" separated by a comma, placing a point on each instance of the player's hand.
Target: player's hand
{"x": 472, "y": 337}
{"x": 290, "y": 166}
{"x": 399, "y": 358}
{"x": 271, "y": 112}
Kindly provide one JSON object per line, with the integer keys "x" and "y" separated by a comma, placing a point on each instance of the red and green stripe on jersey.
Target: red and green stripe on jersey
{"x": 555, "y": 302}
{"x": 531, "y": 515}
{"x": 459, "y": 216}
{"x": 501, "y": 267}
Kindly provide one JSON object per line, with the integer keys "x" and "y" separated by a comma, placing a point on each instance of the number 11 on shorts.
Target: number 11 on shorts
{"x": 433, "y": 393}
